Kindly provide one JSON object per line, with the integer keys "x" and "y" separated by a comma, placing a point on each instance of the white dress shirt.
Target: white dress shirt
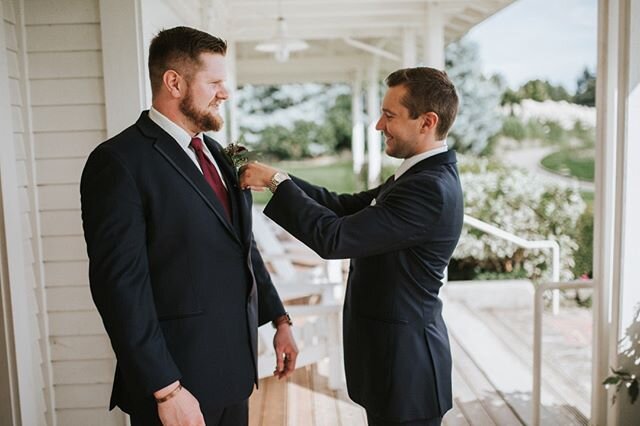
{"x": 412, "y": 161}
{"x": 183, "y": 138}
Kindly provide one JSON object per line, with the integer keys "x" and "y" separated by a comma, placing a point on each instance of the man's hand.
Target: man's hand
{"x": 256, "y": 176}
{"x": 183, "y": 409}
{"x": 286, "y": 351}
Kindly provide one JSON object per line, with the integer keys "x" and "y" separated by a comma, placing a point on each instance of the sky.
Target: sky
{"x": 547, "y": 39}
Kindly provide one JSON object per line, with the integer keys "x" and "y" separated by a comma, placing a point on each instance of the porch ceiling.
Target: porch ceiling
{"x": 324, "y": 24}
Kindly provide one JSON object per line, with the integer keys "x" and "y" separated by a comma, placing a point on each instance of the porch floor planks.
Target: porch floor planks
{"x": 465, "y": 399}
{"x": 306, "y": 399}
{"x": 555, "y": 378}
{"x": 508, "y": 364}
{"x": 491, "y": 382}
{"x": 555, "y": 386}
{"x": 481, "y": 391}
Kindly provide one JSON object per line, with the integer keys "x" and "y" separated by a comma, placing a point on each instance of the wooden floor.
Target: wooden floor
{"x": 490, "y": 329}
{"x": 306, "y": 400}
{"x": 302, "y": 400}
{"x": 491, "y": 383}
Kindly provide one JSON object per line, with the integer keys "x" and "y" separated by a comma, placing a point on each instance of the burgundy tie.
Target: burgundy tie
{"x": 211, "y": 175}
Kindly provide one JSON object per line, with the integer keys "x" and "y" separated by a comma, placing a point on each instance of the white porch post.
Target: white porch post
{"x": 231, "y": 104}
{"x": 604, "y": 205}
{"x": 17, "y": 357}
{"x": 433, "y": 42}
{"x": 626, "y": 289}
{"x": 409, "y": 50}
{"x": 617, "y": 230}
{"x": 374, "y": 142}
{"x": 357, "y": 121}
{"x": 122, "y": 62}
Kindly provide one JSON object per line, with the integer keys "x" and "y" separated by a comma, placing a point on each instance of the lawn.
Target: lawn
{"x": 337, "y": 176}
{"x": 578, "y": 163}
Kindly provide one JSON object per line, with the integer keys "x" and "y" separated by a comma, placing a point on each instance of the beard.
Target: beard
{"x": 204, "y": 120}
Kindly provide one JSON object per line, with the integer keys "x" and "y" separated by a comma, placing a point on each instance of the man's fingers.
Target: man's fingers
{"x": 293, "y": 356}
{"x": 279, "y": 362}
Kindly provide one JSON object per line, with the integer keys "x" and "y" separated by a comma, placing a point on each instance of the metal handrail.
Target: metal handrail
{"x": 538, "y": 309}
{"x": 538, "y": 244}
{"x": 554, "y": 285}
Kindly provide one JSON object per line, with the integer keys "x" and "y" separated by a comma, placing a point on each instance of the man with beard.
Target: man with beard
{"x": 400, "y": 237}
{"x": 173, "y": 267}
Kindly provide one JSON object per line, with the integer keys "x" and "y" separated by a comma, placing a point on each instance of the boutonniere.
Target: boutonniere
{"x": 238, "y": 154}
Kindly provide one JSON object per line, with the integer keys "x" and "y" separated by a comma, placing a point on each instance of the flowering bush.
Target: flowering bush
{"x": 562, "y": 112}
{"x": 513, "y": 201}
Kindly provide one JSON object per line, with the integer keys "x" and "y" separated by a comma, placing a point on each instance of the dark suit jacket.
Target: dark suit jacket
{"x": 180, "y": 288}
{"x": 397, "y": 356}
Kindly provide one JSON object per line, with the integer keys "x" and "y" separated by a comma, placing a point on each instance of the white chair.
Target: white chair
{"x": 317, "y": 326}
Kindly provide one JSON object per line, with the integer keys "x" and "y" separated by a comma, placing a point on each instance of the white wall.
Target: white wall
{"x": 68, "y": 120}
{"x": 34, "y": 328}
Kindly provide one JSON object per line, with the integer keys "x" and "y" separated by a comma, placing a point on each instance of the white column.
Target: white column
{"x": 231, "y": 104}
{"x": 625, "y": 301}
{"x": 433, "y": 42}
{"x": 22, "y": 392}
{"x": 122, "y": 62}
{"x": 409, "y": 50}
{"x": 616, "y": 228}
{"x": 357, "y": 121}
{"x": 374, "y": 142}
{"x": 604, "y": 206}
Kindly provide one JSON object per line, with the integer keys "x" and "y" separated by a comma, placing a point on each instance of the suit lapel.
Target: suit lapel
{"x": 385, "y": 188}
{"x": 230, "y": 177}
{"x": 171, "y": 151}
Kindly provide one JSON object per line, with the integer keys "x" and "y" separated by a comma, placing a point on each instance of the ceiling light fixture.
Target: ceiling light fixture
{"x": 281, "y": 45}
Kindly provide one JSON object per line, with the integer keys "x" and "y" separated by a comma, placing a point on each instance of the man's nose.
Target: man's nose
{"x": 380, "y": 124}
{"x": 223, "y": 93}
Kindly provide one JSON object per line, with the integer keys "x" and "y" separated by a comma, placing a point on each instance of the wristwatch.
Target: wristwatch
{"x": 277, "y": 179}
{"x": 281, "y": 320}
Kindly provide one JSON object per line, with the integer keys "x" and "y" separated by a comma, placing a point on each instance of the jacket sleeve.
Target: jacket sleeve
{"x": 340, "y": 204}
{"x": 115, "y": 233}
{"x": 269, "y": 304}
{"x": 403, "y": 218}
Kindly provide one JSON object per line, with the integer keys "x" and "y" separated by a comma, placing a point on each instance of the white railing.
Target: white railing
{"x": 538, "y": 310}
{"x": 538, "y": 244}
{"x": 539, "y": 291}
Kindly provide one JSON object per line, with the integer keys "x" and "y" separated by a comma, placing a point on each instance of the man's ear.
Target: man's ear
{"x": 429, "y": 122}
{"x": 173, "y": 82}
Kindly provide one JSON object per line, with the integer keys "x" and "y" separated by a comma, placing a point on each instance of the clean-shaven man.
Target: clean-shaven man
{"x": 400, "y": 237}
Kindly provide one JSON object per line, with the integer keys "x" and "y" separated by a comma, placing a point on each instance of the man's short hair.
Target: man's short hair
{"x": 179, "y": 49}
{"x": 428, "y": 90}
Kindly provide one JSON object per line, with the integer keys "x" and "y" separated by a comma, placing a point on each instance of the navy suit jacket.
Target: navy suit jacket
{"x": 396, "y": 347}
{"x": 181, "y": 288}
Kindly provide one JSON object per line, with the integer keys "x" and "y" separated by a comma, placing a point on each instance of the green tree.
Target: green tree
{"x": 339, "y": 119}
{"x": 479, "y": 117}
{"x": 586, "y": 90}
{"x": 538, "y": 90}
{"x": 542, "y": 90}
{"x": 295, "y": 121}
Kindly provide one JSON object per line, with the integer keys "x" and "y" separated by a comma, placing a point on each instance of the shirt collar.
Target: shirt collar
{"x": 412, "y": 161}
{"x": 178, "y": 133}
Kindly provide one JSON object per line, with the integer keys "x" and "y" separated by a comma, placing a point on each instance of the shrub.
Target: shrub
{"x": 513, "y": 201}
{"x": 513, "y": 128}
{"x": 584, "y": 238}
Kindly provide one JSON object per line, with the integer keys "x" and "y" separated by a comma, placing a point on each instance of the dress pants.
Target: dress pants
{"x": 374, "y": 420}
{"x": 231, "y": 415}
